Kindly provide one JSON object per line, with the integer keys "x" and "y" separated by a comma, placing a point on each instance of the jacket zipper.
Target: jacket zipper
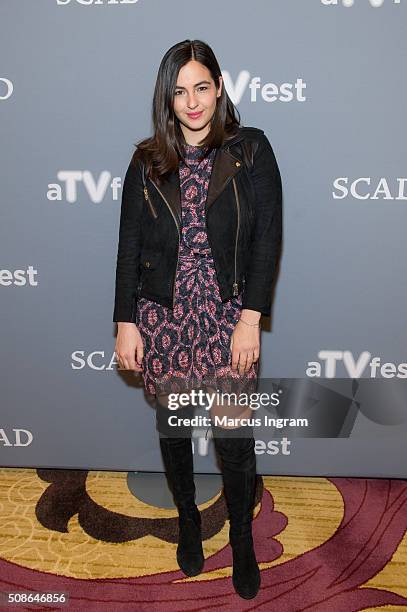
{"x": 147, "y": 197}
{"x": 179, "y": 238}
{"x": 235, "y": 285}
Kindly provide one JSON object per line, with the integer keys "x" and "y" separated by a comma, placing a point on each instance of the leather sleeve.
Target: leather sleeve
{"x": 128, "y": 252}
{"x": 266, "y": 244}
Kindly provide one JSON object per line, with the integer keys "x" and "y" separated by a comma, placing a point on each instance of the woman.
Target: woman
{"x": 200, "y": 231}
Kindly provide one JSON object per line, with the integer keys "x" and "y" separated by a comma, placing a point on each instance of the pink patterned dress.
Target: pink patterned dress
{"x": 189, "y": 347}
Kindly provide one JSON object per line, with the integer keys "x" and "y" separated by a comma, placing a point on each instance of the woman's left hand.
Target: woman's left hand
{"x": 245, "y": 347}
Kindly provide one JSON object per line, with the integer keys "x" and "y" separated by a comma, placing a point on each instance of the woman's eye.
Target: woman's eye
{"x": 201, "y": 88}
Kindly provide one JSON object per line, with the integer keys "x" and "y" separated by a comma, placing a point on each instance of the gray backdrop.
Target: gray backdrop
{"x": 76, "y": 84}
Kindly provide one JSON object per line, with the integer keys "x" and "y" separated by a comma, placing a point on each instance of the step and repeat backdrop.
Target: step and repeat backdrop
{"x": 325, "y": 80}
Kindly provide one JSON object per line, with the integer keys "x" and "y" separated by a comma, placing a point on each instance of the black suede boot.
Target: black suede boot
{"x": 239, "y": 483}
{"x": 178, "y": 462}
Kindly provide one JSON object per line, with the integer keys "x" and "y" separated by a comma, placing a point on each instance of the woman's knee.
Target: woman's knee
{"x": 172, "y": 422}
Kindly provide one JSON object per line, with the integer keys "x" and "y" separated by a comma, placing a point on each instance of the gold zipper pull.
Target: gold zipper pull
{"x": 235, "y": 289}
{"x": 147, "y": 197}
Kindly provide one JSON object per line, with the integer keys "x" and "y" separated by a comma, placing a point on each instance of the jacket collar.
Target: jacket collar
{"x": 225, "y": 166}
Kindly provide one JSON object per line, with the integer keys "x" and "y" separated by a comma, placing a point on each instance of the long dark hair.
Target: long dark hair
{"x": 162, "y": 151}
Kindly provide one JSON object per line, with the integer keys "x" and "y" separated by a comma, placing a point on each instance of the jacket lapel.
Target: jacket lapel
{"x": 225, "y": 167}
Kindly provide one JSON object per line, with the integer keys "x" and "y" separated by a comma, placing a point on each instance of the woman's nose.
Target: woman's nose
{"x": 191, "y": 102}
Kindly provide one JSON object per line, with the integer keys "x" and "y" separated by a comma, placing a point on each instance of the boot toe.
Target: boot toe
{"x": 190, "y": 555}
{"x": 247, "y": 587}
{"x": 191, "y": 563}
{"x": 246, "y": 573}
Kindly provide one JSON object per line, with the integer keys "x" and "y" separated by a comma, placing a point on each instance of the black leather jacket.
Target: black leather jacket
{"x": 243, "y": 222}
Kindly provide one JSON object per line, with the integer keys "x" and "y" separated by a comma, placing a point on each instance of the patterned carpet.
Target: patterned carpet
{"x": 323, "y": 544}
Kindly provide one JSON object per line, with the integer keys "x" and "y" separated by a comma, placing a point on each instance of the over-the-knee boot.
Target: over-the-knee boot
{"x": 179, "y": 468}
{"x": 239, "y": 482}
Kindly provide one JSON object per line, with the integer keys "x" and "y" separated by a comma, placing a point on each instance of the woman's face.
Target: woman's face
{"x": 195, "y": 100}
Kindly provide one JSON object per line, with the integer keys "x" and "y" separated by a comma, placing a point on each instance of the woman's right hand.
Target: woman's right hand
{"x": 129, "y": 346}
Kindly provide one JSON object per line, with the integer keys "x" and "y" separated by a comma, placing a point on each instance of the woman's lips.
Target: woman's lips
{"x": 194, "y": 115}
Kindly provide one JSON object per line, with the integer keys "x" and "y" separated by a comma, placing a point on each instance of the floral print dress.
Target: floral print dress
{"x": 189, "y": 347}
